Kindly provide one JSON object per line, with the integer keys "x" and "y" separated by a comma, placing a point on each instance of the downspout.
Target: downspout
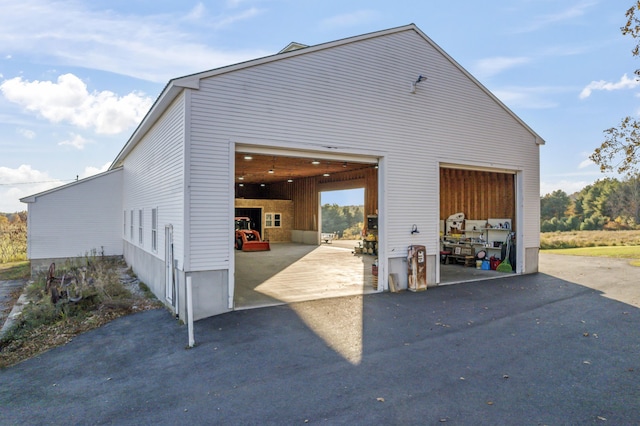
{"x": 192, "y": 341}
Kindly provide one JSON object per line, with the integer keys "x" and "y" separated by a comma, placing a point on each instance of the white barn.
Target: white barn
{"x": 405, "y": 121}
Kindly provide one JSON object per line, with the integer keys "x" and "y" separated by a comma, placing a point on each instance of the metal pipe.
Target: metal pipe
{"x": 192, "y": 341}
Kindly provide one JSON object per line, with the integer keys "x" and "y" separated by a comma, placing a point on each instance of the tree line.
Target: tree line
{"x": 607, "y": 204}
{"x": 345, "y": 222}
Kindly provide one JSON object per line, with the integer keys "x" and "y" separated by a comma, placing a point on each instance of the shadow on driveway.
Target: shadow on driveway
{"x": 524, "y": 350}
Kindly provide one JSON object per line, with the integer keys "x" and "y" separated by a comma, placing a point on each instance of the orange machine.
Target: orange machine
{"x": 248, "y": 239}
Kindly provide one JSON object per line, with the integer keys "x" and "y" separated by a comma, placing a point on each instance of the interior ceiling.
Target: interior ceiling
{"x": 256, "y": 170}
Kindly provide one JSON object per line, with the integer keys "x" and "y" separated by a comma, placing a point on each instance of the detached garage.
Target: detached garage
{"x": 389, "y": 112}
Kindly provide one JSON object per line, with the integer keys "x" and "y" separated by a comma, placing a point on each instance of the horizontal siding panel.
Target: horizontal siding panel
{"x": 154, "y": 178}
{"x": 78, "y": 218}
{"x": 356, "y": 97}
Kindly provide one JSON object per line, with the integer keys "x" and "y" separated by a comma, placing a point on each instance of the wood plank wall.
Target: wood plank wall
{"x": 304, "y": 193}
{"x": 478, "y": 194}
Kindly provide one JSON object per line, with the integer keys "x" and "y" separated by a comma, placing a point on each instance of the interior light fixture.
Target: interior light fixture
{"x": 262, "y": 184}
{"x": 241, "y": 184}
{"x": 326, "y": 175}
{"x": 289, "y": 180}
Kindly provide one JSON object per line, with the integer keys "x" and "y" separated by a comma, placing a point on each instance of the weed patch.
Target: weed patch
{"x": 107, "y": 292}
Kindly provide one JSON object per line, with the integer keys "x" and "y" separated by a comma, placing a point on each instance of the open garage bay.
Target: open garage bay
{"x": 296, "y": 272}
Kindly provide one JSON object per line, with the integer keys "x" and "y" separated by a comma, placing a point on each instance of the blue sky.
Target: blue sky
{"x": 77, "y": 76}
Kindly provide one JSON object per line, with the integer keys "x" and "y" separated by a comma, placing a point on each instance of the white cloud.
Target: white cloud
{"x": 526, "y": 97}
{"x": 567, "y": 186}
{"x": 586, "y": 163}
{"x": 491, "y": 66}
{"x": 624, "y": 83}
{"x": 90, "y": 170}
{"x": 21, "y": 182}
{"x": 75, "y": 141}
{"x": 568, "y": 14}
{"x": 68, "y": 100}
{"x": 350, "y": 19}
{"x": 229, "y": 20}
{"x": 150, "y": 47}
{"x": 197, "y": 12}
{"x": 29, "y": 134}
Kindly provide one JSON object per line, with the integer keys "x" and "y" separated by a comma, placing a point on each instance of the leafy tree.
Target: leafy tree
{"x": 554, "y": 205}
{"x": 629, "y": 199}
{"x": 620, "y": 150}
{"x": 346, "y": 221}
{"x": 593, "y": 223}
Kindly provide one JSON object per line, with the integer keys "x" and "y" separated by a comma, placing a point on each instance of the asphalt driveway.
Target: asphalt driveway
{"x": 533, "y": 349}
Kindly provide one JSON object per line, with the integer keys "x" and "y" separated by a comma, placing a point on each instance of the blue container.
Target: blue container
{"x": 485, "y": 265}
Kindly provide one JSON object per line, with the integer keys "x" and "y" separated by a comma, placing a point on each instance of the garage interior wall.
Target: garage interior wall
{"x": 478, "y": 194}
{"x": 281, "y": 234}
{"x": 304, "y": 193}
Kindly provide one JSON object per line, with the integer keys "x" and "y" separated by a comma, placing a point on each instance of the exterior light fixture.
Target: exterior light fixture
{"x": 262, "y": 184}
{"x": 315, "y": 162}
{"x": 248, "y": 157}
{"x": 326, "y": 175}
{"x": 241, "y": 184}
{"x": 271, "y": 171}
{"x": 240, "y": 177}
{"x": 289, "y": 180}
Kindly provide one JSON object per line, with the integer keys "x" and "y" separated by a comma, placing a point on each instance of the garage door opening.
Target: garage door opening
{"x": 477, "y": 224}
{"x": 299, "y": 266}
{"x": 342, "y": 215}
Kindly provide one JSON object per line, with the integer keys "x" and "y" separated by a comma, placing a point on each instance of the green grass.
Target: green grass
{"x": 630, "y": 252}
{"x": 15, "y": 270}
{"x": 619, "y": 252}
{"x": 613, "y": 244}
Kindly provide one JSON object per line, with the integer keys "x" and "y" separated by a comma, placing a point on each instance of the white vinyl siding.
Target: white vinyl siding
{"x": 154, "y": 177}
{"x": 131, "y": 226}
{"x": 78, "y": 218}
{"x": 356, "y": 97}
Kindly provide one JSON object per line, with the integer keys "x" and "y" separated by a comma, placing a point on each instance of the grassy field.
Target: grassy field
{"x": 15, "y": 270}
{"x": 614, "y": 244}
{"x": 578, "y": 239}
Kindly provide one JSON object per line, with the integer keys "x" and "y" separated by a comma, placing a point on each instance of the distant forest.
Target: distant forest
{"x": 607, "y": 204}
{"x": 346, "y": 222}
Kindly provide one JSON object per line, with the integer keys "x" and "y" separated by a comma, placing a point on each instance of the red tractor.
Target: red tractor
{"x": 248, "y": 239}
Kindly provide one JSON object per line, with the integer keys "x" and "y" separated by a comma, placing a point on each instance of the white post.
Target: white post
{"x": 192, "y": 341}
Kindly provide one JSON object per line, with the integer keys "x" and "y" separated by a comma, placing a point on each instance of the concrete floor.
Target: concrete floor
{"x": 454, "y": 274}
{"x": 290, "y": 273}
